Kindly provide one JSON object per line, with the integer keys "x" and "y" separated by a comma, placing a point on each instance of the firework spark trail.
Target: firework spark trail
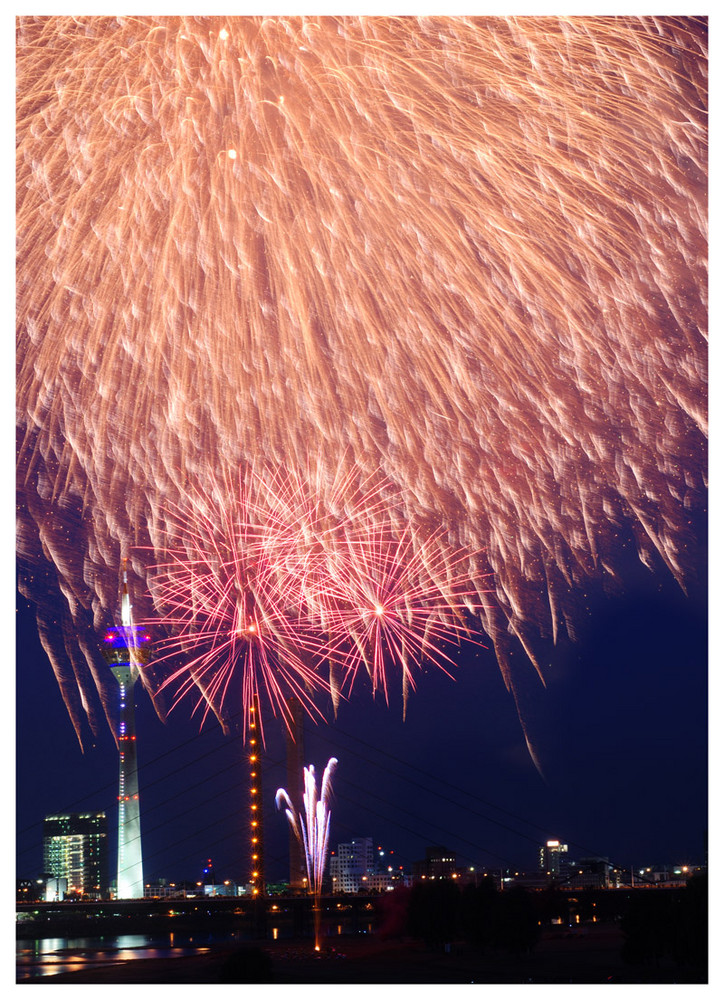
{"x": 311, "y": 827}
{"x": 384, "y": 593}
{"x": 231, "y": 614}
{"x": 470, "y": 253}
{"x": 385, "y": 605}
{"x": 300, "y": 519}
{"x": 266, "y": 584}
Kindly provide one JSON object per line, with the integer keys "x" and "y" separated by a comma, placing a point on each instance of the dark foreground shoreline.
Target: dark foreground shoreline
{"x": 586, "y": 958}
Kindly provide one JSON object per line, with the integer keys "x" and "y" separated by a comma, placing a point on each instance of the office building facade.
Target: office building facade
{"x": 553, "y": 859}
{"x": 351, "y": 863}
{"x": 440, "y": 862}
{"x": 75, "y": 850}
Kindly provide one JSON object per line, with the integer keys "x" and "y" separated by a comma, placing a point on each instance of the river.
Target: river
{"x": 53, "y": 955}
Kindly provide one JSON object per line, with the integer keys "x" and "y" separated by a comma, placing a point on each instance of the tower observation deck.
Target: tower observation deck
{"x": 125, "y": 649}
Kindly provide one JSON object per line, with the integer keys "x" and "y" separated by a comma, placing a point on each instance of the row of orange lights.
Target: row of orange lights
{"x": 254, "y": 791}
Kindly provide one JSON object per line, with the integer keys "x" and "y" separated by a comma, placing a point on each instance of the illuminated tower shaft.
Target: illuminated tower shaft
{"x": 125, "y": 650}
{"x": 256, "y": 877}
{"x": 130, "y": 859}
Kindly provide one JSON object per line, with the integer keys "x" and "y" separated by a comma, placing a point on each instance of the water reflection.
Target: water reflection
{"x": 131, "y": 940}
{"x": 52, "y": 956}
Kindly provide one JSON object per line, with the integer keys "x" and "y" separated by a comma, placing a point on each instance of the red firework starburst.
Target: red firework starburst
{"x": 230, "y": 619}
{"x": 277, "y": 575}
{"x": 299, "y": 521}
{"x": 393, "y": 601}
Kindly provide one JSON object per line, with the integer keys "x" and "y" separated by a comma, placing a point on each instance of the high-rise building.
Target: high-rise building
{"x": 126, "y": 648}
{"x": 75, "y": 848}
{"x": 551, "y": 860}
{"x": 351, "y": 863}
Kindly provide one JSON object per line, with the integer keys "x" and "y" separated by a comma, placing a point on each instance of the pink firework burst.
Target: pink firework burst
{"x": 278, "y": 576}
{"x": 384, "y": 595}
{"x": 229, "y": 615}
{"x": 393, "y": 600}
{"x": 300, "y": 518}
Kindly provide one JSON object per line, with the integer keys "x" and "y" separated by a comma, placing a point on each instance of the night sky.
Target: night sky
{"x": 621, "y": 733}
{"x": 537, "y": 419}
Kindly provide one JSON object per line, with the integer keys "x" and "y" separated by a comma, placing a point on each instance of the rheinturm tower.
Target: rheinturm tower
{"x": 126, "y": 649}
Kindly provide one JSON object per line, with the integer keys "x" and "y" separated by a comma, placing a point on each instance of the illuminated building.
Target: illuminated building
{"x": 75, "y": 851}
{"x": 384, "y": 881}
{"x": 552, "y": 861}
{"x": 590, "y": 873}
{"x": 125, "y": 650}
{"x": 56, "y": 889}
{"x": 440, "y": 862}
{"x": 352, "y": 863}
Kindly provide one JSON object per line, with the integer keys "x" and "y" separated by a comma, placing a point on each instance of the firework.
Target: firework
{"x": 395, "y": 601}
{"x": 231, "y": 613}
{"x": 312, "y": 828}
{"x": 275, "y": 579}
{"x": 468, "y": 253}
{"x": 300, "y": 520}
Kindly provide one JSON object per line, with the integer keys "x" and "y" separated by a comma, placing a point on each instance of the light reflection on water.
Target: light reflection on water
{"x": 51, "y": 956}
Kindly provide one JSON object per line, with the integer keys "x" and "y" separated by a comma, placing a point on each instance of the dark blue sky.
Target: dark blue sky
{"x": 621, "y": 731}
